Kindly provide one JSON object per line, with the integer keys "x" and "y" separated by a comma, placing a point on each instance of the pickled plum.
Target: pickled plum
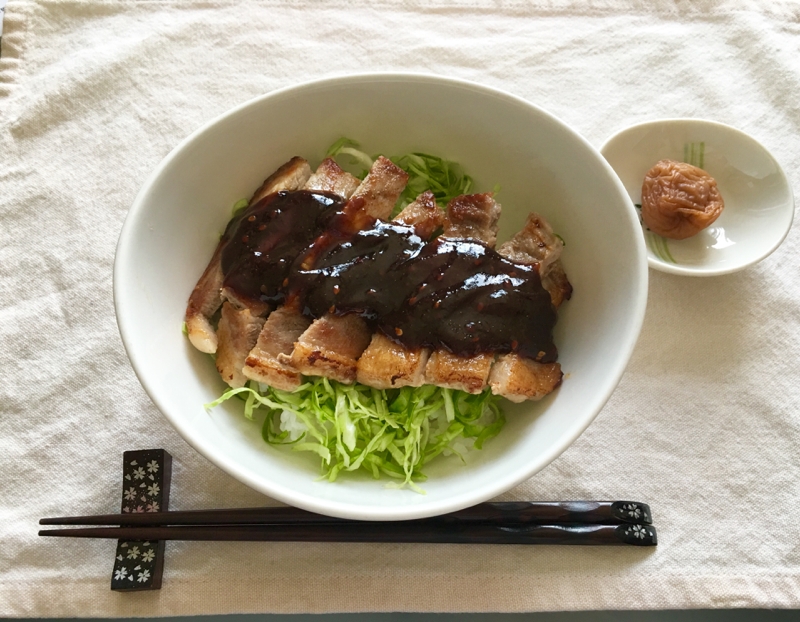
{"x": 679, "y": 200}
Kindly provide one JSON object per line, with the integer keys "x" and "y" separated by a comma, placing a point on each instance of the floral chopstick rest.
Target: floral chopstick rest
{"x": 146, "y": 474}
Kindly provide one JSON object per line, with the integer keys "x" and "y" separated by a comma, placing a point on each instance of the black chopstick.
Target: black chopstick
{"x": 404, "y": 532}
{"x": 498, "y": 513}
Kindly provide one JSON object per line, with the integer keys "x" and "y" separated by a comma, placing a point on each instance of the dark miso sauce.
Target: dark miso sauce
{"x": 313, "y": 249}
{"x": 456, "y": 294}
{"x": 266, "y": 237}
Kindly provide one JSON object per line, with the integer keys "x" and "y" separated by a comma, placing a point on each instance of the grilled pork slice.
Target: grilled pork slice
{"x": 515, "y": 377}
{"x": 285, "y": 325}
{"x": 282, "y": 328}
{"x": 537, "y": 243}
{"x": 381, "y": 188}
{"x": 423, "y": 214}
{"x": 386, "y": 364}
{"x": 332, "y": 344}
{"x": 204, "y": 302}
{"x": 238, "y": 331}
{"x": 206, "y": 297}
{"x": 256, "y": 307}
{"x": 556, "y": 283}
{"x": 330, "y": 177}
{"x": 331, "y": 347}
{"x": 290, "y": 176}
{"x": 465, "y": 373}
{"x": 472, "y": 216}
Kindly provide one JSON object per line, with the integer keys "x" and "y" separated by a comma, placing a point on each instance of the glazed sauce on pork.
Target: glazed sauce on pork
{"x": 452, "y": 293}
{"x": 264, "y": 240}
{"x": 456, "y": 294}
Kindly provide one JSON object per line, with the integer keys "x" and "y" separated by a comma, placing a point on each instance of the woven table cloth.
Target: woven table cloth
{"x": 704, "y": 425}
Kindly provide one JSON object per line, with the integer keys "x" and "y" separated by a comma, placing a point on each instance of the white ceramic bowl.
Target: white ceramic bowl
{"x": 759, "y": 205}
{"x": 540, "y": 164}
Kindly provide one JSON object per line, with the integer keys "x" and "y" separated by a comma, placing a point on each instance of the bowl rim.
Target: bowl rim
{"x": 400, "y": 511}
{"x": 700, "y": 271}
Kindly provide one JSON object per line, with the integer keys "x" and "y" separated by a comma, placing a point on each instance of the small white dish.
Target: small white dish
{"x": 759, "y": 204}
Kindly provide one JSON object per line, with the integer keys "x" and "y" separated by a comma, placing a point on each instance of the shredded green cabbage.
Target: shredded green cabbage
{"x": 392, "y": 433}
{"x": 444, "y": 178}
{"x": 239, "y": 206}
{"x": 359, "y": 162}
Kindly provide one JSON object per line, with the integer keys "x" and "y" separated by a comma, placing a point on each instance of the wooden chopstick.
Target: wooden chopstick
{"x": 498, "y": 513}
{"x": 405, "y": 532}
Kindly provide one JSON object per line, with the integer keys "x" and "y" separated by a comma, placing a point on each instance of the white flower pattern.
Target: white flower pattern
{"x": 633, "y": 510}
{"x": 640, "y": 532}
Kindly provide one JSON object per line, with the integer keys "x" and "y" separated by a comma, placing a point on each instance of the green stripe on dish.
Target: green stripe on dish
{"x": 694, "y": 154}
{"x": 659, "y": 247}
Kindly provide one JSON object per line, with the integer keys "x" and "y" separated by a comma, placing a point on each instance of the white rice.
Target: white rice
{"x": 291, "y": 424}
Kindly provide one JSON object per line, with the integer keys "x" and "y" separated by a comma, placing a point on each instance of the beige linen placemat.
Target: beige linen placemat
{"x": 704, "y": 424}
